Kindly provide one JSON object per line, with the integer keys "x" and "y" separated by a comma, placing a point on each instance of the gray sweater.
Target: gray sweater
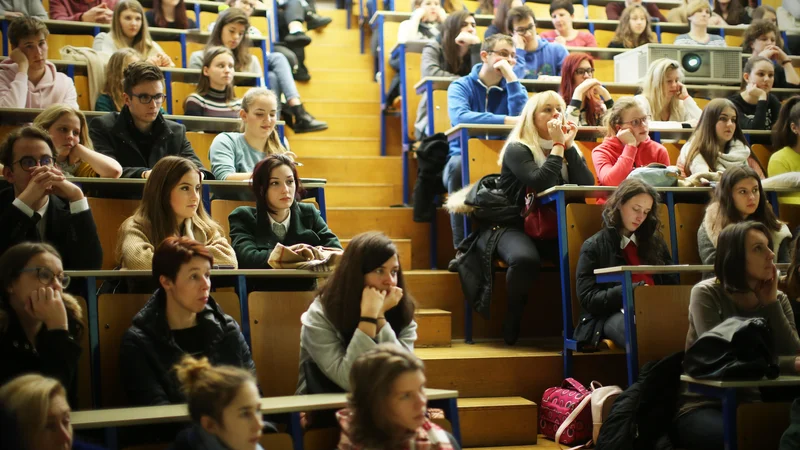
{"x": 230, "y": 153}
{"x": 32, "y": 8}
{"x": 323, "y": 344}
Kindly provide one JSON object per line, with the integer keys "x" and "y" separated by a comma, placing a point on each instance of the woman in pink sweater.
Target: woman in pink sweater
{"x": 627, "y": 144}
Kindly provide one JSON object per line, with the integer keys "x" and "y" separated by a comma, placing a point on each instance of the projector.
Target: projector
{"x": 700, "y": 64}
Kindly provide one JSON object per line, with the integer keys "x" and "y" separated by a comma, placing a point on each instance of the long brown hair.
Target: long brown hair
{"x": 782, "y": 134}
{"x": 261, "y": 176}
{"x": 704, "y": 140}
{"x": 372, "y": 378}
{"x": 204, "y": 85}
{"x": 341, "y": 295}
{"x": 450, "y": 31}
{"x": 155, "y": 214}
{"x": 142, "y": 42}
{"x": 115, "y": 74}
{"x": 624, "y": 33}
{"x": 723, "y": 196}
{"x": 735, "y": 11}
{"x": 181, "y": 20}
{"x": 241, "y": 54}
{"x": 790, "y": 283}
{"x": 757, "y": 29}
{"x": 650, "y": 239}
{"x": 499, "y": 21}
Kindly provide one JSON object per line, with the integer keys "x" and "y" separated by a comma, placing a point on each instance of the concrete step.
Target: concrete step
{"x": 344, "y": 126}
{"x": 354, "y": 60}
{"x": 498, "y": 421}
{"x": 336, "y": 35}
{"x": 340, "y": 90}
{"x": 309, "y": 144}
{"x": 403, "y": 250}
{"x": 433, "y": 328}
{"x": 338, "y": 75}
{"x": 362, "y": 194}
{"x": 343, "y": 107}
{"x": 364, "y": 169}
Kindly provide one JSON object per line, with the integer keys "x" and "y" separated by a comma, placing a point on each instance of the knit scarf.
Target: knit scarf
{"x": 428, "y": 436}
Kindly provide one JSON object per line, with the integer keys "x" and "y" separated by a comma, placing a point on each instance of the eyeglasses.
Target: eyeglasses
{"x": 28, "y": 163}
{"x": 582, "y": 72}
{"x": 46, "y": 276}
{"x": 524, "y": 31}
{"x": 503, "y": 54}
{"x": 636, "y": 123}
{"x": 147, "y": 98}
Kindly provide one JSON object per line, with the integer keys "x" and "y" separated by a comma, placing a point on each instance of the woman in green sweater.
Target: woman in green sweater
{"x": 784, "y": 140}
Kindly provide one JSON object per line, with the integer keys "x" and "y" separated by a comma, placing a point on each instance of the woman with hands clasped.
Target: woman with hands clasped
{"x": 363, "y": 304}
{"x": 762, "y": 38}
{"x": 588, "y": 98}
{"x": 40, "y": 325}
{"x": 757, "y": 107}
{"x": 424, "y": 22}
{"x": 746, "y": 285}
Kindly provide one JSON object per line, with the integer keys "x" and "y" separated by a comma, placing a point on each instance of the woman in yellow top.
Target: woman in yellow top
{"x": 785, "y": 141}
{"x": 171, "y": 206}
{"x": 74, "y": 153}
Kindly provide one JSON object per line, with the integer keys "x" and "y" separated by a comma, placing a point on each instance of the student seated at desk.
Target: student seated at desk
{"x": 139, "y": 136}
{"x": 627, "y": 144}
{"x": 732, "y": 11}
{"x": 129, "y": 29}
{"x": 614, "y": 10}
{"x": 737, "y": 198}
{"x": 41, "y": 324}
{"x": 762, "y": 38}
{"x": 169, "y": 14}
{"x": 453, "y": 55}
{"x": 41, "y": 205}
{"x": 784, "y": 139}
{"x": 563, "y": 13}
{"x": 717, "y": 143}
{"x": 110, "y": 98}
{"x": 224, "y": 405}
{"x": 632, "y": 236}
{"x": 679, "y": 15}
{"x": 97, "y": 11}
{"x": 27, "y": 78}
{"x": 214, "y": 96}
{"x": 498, "y": 25}
{"x": 699, "y": 13}
{"x": 588, "y": 99}
{"x": 279, "y": 216}
{"x": 634, "y": 29}
{"x": 17, "y": 8}
{"x": 790, "y": 282}
{"x": 536, "y": 57}
{"x": 756, "y": 106}
{"x": 41, "y": 415}
{"x": 664, "y": 97}
{"x": 387, "y": 406}
{"x": 230, "y": 32}
{"x": 746, "y": 285}
{"x": 74, "y": 154}
{"x": 363, "y": 304}
{"x": 490, "y": 94}
{"x": 171, "y": 206}
{"x": 180, "y": 318}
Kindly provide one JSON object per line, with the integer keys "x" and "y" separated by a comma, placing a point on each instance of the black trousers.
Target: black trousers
{"x": 519, "y": 252}
{"x": 614, "y": 328}
{"x": 700, "y": 429}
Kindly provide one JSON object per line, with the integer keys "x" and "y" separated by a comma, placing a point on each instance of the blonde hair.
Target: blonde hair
{"x": 273, "y": 144}
{"x": 525, "y": 130}
{"x": 614, "y": 116}
{"x": 142, "y": 42}
{"x": 27, "y": 398}
{"x": 697, "y": 5}
{"x": 115, "y": 74}
{"x": 209, "y": 389}
{"x": 49, "y": 116}
{"x": 653, "y": 88}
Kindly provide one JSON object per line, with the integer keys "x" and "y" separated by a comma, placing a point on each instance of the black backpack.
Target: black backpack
{"x": 642, "y": 415}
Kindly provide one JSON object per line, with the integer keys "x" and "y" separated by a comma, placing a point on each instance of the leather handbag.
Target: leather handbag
{"x": 541, "y": 221}
{"x": 565, "y": 415}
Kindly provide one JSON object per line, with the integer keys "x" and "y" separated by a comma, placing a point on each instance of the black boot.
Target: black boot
{"x": 314, "y": 21}
{"x": 305, "y": 122}
{"x": 301, "y": 74}
{"x": 286, "y": 115}
{"x": 298, "y": 39}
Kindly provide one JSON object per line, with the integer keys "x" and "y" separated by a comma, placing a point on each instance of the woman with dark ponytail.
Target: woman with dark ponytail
{"x": 784, "y": 140}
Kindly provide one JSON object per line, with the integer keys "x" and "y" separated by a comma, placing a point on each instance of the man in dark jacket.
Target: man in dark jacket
{"x": 41, "y": 205}
{"x": 138, "y": 136}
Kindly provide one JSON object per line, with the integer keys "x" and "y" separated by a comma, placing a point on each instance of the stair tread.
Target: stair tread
{"x": 494, "y": 349}
{"x": 430, "y": 312}
{"x": 493, "y": 402}
{"x": 336, "y": 138}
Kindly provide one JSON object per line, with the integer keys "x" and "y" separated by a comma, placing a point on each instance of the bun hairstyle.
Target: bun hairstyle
{"x": 209, "y": 389}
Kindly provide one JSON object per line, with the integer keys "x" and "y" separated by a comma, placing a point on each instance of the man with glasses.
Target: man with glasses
{"x": 139, "y": 136}
{"x": 536, "y": 58}
{"x": 41, "y": 205}
{"x": 491, "y": 94}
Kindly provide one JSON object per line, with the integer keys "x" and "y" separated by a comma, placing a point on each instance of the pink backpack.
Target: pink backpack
{"x": 564, "y": 416}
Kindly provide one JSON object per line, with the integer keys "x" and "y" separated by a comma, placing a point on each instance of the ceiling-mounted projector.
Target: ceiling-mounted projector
{"x": 719, "y": 65}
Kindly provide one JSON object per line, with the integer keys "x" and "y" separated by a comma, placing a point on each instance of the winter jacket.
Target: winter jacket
{"x": 253, "y": 239}
{"x": 600, "y": 300}
{"x": 149, "y": 352}
{"x": 26, "y": 7}
{"x": 708, "y": 233}
{"x": 545, "y": 60}
{"x": 73, "y": 9}
{"x": 472, "y": 102}
{"x": 113, "y": 135}
{"x": 17, "y": 91}
{"x": 431, "y": 159}
{"x": 737, "y": 153}
{"x": 197, "y": 438}
{"x": 56, "y": 354}
{"x": 322, "y": 344}
{"x": 73, "y": 235}
{"x": 614, "y": 161}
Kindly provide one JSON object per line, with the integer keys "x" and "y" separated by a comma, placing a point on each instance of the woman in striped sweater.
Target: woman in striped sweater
{"x": 214, "y": 96}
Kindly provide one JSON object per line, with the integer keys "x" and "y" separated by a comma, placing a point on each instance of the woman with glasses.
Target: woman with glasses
{"x": 40, "y": 324}
{"x": 627, "y": 144}
{"x": 588, "y": 99}
{"x": 664, "y": 97}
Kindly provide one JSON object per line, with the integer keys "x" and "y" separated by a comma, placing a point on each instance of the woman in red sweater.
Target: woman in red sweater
{"x": 627, "y": 144}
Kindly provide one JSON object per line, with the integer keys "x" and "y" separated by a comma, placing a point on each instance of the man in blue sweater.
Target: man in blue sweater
{"x": 535, "y": 56}
{"x": 490, "y": 94}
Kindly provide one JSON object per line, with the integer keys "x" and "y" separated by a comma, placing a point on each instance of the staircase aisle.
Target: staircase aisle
{"x": 499, "y": 386}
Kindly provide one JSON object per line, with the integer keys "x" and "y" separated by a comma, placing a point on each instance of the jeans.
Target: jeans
{"x": 518, "y": 250}
{"x": 700, "y": 429}
{"x": 280, "y": 77}
{"x": 452, "y": 181}
{"x": 614, "y": 328}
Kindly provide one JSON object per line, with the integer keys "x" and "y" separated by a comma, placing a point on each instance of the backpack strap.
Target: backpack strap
{"x": 571, "y": 418}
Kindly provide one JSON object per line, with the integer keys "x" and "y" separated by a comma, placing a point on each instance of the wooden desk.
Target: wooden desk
{"x": 291, "y": 406}
{"x": 726, "y": 392}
